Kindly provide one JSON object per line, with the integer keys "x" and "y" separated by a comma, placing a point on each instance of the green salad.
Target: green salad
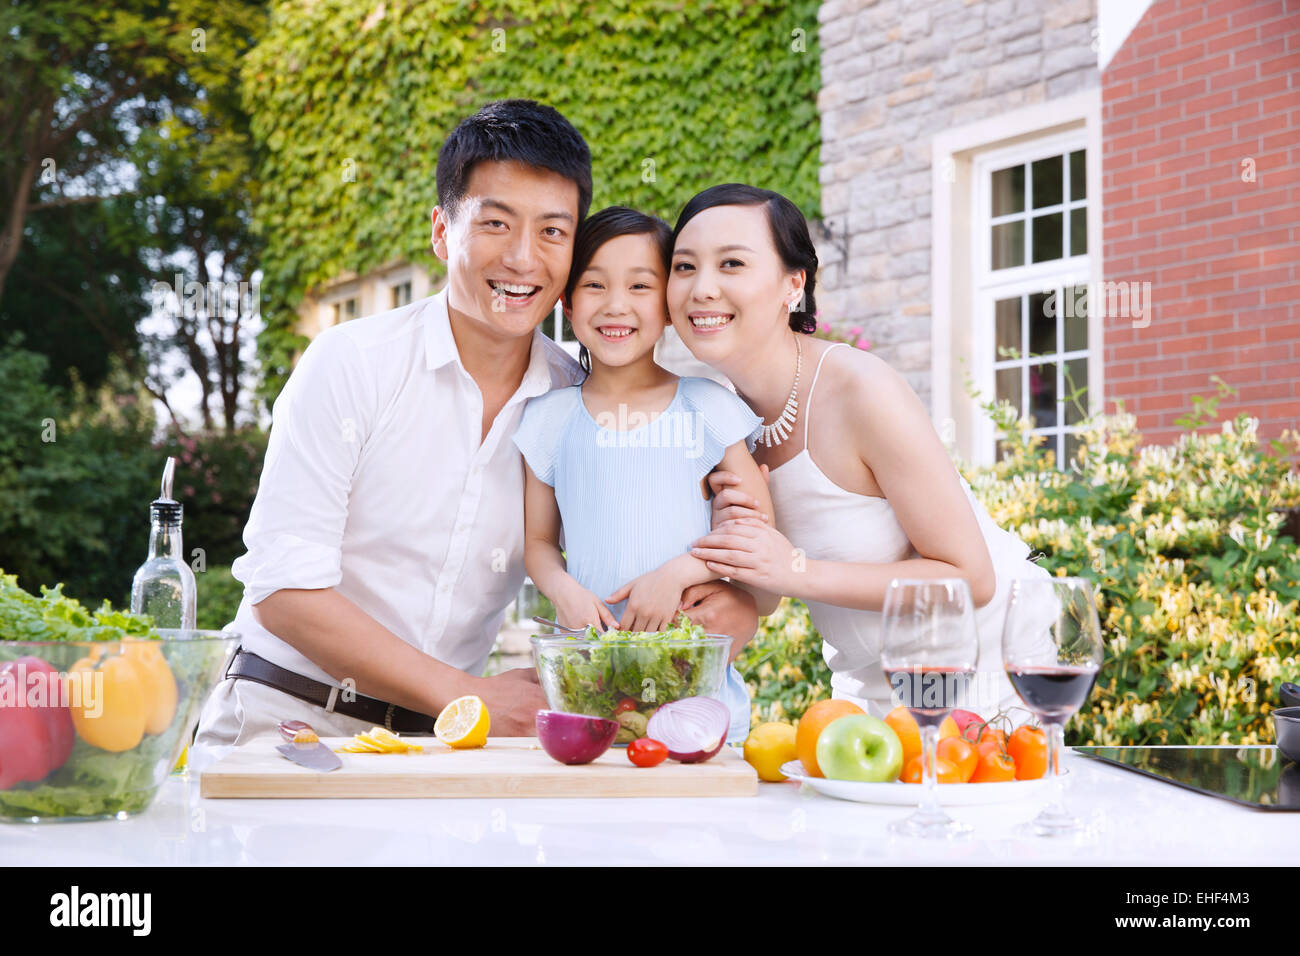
{"x": 626, "y": 675}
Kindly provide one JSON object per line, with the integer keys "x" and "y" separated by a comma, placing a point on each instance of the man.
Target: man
{"x": 386, "y": 539}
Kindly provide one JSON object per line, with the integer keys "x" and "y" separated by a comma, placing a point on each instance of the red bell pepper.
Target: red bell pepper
{"x": 36, "y": 731}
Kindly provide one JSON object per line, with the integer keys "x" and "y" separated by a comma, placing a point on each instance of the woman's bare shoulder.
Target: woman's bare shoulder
{"x": 865, "y": 383}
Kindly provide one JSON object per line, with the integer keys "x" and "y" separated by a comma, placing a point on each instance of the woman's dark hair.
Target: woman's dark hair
{"x": 789, "y": 235}
{"x": 520, "y": 130}
{"x": 610, "y": 223}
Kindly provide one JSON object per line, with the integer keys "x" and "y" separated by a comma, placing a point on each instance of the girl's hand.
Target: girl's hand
{"x": 752, "y": 552}
{"x": 729, "y": 502}
{"x": 652, "y": 600}
{"x": 578, "y": 607}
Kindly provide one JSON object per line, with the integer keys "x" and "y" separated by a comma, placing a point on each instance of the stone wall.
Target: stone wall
{"x": 894, "y": 73}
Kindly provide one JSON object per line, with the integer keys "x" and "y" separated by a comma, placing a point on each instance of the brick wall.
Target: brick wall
{"x": 894, "y": 73}
{"x": 1203, "y": 97}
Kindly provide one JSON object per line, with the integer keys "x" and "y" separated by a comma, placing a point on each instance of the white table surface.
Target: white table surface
{"x": 1131, "y": 820}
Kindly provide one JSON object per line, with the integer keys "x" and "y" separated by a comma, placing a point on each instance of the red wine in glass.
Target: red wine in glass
{"x": 1053, "y": 692}
{"x": 930, "y": 693}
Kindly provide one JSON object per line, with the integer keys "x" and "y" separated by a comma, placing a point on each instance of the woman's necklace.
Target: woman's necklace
{"x": 780, "y": 429}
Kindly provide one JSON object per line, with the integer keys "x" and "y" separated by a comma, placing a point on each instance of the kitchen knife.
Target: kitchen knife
{"x": 305, "y": 749}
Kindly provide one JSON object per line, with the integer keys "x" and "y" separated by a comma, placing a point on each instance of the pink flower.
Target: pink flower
{"x": 855, "y": 331}
{"x": 823, "y": 327}
{"x": 189, "y": 491}
{"x": 216, "y": 497}
{"x": 863, "y": 343}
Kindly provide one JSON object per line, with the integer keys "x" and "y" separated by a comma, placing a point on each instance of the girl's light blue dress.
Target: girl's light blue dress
{"x": 630, "y": 493}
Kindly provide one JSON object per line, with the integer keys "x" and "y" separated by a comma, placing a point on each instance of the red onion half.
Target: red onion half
{"x": 574, "y": 738}
{"x": 693, "y": 728}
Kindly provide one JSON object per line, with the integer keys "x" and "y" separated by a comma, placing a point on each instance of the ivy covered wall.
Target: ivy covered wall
{"x": 351, "y": 100}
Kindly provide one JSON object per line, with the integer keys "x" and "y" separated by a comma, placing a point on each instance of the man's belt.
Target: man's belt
{"x": 245, "y": 665}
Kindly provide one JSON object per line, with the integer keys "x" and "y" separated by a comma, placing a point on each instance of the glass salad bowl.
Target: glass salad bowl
{"x": 90, "y": 729}
{"x": 627, "y": 676}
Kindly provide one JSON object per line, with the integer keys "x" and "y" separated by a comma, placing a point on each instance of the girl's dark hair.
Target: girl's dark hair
{"x": 789, "y": 235}
{"x": 521, "y": 130}
{"x": 598, "y": 229}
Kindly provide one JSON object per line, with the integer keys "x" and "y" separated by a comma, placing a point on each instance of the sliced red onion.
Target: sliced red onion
{"x": 693, "y": 728}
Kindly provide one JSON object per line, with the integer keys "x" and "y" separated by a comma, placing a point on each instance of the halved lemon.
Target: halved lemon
{"x": 463, "y": 723}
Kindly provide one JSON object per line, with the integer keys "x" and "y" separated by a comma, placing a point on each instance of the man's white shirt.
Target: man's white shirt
{"x": 375, "y": 484}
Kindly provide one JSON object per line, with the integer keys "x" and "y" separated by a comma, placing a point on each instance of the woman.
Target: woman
{"x": 863, "y": 489}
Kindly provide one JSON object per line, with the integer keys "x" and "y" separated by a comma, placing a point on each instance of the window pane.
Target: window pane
{"x": 1047, "y": 237}
{"x": 1072, "y": 445}
{"x": 1078, "y": 175}
{"x": 1042, "y": 394}
{"x": 1009, "y": 190}
{"x": 1076, "y": 318}
{"x": 1008, "y": 380}
{"x": 1008, "y": 328}
{"x": 1076, "y": 391}
{"x": 1048, "y": 183}
{"x": 1079, "y": 231}
{"x": 1009, "y": 244}
{"x": 1042, "y": 323}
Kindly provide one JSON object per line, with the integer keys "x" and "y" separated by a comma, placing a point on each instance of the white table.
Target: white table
{"x": 1132, "y": 820}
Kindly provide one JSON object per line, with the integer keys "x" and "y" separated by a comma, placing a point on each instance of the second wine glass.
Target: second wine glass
{"x": 929, "y": 650}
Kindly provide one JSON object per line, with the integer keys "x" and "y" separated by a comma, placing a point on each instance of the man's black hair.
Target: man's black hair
{"x": 522, "y": 130}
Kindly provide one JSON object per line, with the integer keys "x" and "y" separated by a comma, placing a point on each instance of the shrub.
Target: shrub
{"x": 219, "y": 597}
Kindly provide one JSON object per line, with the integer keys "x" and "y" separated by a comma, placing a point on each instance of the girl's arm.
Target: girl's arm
{"x": 752, "y": 482}
{"x": 575, "y": 606}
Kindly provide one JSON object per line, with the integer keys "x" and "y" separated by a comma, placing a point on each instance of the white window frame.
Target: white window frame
{"x": 991, "y": 284}
{"x": 555, "y": 329}
{"x": 957, "y": 253}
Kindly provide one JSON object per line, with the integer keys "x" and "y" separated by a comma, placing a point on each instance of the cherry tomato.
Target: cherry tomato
{"x": 994, "y": 767}
{"x": 1028, "y": 748}
{"x": 944, "y": 771}
{"x": 644, "y": 752}
{"x": 624, "y": 705}
{"x": 992, "y": 738}
{"x": 961, "y": 754}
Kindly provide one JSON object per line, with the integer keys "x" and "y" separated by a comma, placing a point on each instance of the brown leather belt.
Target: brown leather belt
{"x": 245, "y": 665}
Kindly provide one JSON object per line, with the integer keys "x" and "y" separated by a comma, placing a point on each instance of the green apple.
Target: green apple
{"x": 860, "y": 747}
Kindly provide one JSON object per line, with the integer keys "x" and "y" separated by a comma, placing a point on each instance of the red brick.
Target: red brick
{"x": 1137, "y": 68}
{"x": 1172, "y": 131}
{"x": 1228, "y": 79}
{"x": 1192, "y": 13}
{"x": 1151, "y": 403}
{"x": 1207, "y": 103}
{"x": 1267, "y": 49}
{"x": 1190, "y": 234}
{"x": 1279, "y": 64}
{"x": 1209, "y": 323}
{"x": 1184, "y": 344}
{"x": 1213, "y": 248}
{"x": 1264, "y": 278}
{"x": 1161, "y": 148}
{"x": 1207, "y": 66}
{"x": 1276, "y": 257}
{"x": 1182, "y": 199}
{"x": 1233, "y": 264}
{"x": 1211, "y": 286}
{"x": 1140, "y": 351}
{"x": 1235, "y": 302}
{"x": 1212, "y": 360}
{"x": 1289, "y": 293}
{"x": 1204, "y": 31}
{"x": 1154, "y": 187}
{"x": 1234, "y": 114}
{"x": 1135, "y": 174}
{"x": 1240, "y": 338}
{"x": 1261, "y": 126}
{"x": 1185, "y": 51}
{"x": 1183, "y": 162}
{"x": 1231, "y": 41}
{"x": 1275, "y": 237}
{"x": 1279, "y": 105}
{"x": 1267, "y": 87}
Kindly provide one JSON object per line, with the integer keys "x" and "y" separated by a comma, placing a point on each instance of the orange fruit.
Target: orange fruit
{"x": 994, "y": 767}
{"x": 1028, "y": 748}
{"x": 992, "y": 739}
{"x": 961, "y": 754}
{"x": 948, "y": 729}
{"x": 812, "y": 723}
{"x": 904, "y": 724}
{"x": 944, "y": 771}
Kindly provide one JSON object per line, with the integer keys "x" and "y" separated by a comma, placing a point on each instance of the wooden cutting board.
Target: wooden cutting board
{"x": 506, "y": 767}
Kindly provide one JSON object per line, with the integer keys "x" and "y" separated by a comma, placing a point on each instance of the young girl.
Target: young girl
{"x": 616, "y": 466}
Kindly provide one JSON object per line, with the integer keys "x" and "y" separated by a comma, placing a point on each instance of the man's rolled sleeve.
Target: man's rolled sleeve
{"x": 320, "y": 423}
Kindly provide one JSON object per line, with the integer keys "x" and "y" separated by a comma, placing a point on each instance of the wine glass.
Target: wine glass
{"x": 1051, "y": 651}
{"x": 929, "y": 649}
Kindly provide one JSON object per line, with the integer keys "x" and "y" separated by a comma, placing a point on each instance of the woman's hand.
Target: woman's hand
{"x": 752, "y": 552}
{"x": 652, "y": 600}
{"x": 729, "y": 502}
{"x": 575, "y": 606}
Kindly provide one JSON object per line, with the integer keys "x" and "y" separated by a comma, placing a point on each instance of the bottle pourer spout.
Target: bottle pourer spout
{"x": 169, "y": 472}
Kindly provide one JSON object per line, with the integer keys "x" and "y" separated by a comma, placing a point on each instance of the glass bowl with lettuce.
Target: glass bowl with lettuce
{"x": 628, "y": 675}
{"x": 95, "y": 706}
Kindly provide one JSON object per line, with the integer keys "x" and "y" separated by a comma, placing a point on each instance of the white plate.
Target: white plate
{"x": 909, "y": 794}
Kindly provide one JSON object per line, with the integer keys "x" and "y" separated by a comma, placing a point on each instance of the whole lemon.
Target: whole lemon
{"x": 767, "y": 747}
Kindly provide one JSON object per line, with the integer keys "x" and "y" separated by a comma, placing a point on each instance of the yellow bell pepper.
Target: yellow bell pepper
{"x": 138, "y": 695}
